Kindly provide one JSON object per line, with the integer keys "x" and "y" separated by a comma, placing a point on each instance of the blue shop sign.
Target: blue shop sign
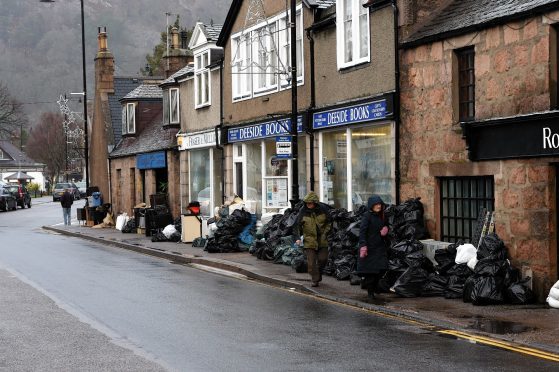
{"x": 263, "y": 130}
{"x": 151, "y": 160}
{"x": 350, "y": 115}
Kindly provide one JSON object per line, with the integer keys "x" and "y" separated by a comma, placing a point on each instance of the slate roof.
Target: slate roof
{"x": 212, "y": 32}
{"x": 122, "y": 86}
{"x": 152, "y": 138}
{"x": 320, "y": 4}
{"x": 463, "y": 16}
{"x": 179, "y": 74}
{"x": 145, "y": 91}
{"x": 15, "y": 156}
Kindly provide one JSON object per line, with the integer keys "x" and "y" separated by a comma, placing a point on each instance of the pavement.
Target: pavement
{"x": 506, "y": 326}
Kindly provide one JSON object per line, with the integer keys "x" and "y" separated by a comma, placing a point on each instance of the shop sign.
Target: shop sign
{"x": 263, "y": 130}
{"x": 376, "y": 110}
{"x": 198, "y": 140}
{"x": 151, "y": 160}
{"x": 526, "y": 136}
{"x": 283, "y": 147}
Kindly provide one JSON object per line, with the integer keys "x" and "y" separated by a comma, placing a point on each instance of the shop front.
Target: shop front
{"x": 262, "y": 176}
{"x": 204, "y": 169}
{"x": 357, "y": 153}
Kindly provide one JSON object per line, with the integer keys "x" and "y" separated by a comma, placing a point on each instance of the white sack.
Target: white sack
{"x": 465, "y": 253}
{"x": 169, "y": 230}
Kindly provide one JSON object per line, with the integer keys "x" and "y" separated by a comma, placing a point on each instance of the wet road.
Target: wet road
{"x": 190, "y": 320}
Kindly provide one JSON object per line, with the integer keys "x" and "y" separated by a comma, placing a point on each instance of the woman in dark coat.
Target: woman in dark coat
{"x": 373, "y": 251}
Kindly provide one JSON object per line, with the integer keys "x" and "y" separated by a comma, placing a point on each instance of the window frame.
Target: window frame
{"x": 130, "y": 119}
{"x": 166, "y": 108}
{"x": 474, "y": 204}
{"x": 202, "y": 79}
{"x": 466, "y": 84}
{"x": 124, "y": 119}
{"x": 172, "y": 119}
{"x": 244, "y": 87}
{"x": 357, "y": 10}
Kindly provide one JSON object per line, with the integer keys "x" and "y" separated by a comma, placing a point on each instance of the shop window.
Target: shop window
{"x": 371, "y": 164}
{"x": 353, "y": 44}
{"x": 275, "y": 178}
{"x": 461, "y": 200}
{"x": 466, "y": 84}
{"x": 253, "y": 176}
{"x": 202, "y": 79}
{"x": 334, "y": 169}
{"x": 200, "y": 180}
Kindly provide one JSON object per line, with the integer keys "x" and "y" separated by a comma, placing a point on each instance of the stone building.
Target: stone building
{"x": 479, "y": 122}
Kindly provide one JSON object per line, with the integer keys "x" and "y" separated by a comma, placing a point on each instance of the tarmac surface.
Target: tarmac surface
{"x": 534, "y": 326}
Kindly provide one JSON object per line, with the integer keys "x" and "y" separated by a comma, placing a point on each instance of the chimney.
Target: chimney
{"x": 178, "y": 56}
{"x": 175, "y": 38}
{"x": 184, "y": 39}
{"x": 104, "y": 63}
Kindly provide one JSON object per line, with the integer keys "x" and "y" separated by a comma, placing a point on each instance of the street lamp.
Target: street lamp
{"x": 85, "y": 129}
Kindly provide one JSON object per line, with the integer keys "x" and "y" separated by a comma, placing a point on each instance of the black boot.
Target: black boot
{"x": 371, "y": 294}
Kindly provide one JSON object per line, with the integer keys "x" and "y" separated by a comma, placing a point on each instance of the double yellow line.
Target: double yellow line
{"x": 502, "y": 345}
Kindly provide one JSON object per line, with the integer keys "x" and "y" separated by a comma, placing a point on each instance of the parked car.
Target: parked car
{"x": 21, "y": 194}
{"x": 81, "y": 188}
{"x": 7, "y": 200}
{"x": 61, "y": 186}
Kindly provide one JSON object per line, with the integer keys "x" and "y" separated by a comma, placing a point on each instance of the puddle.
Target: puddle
{"x": 499, "y": 327}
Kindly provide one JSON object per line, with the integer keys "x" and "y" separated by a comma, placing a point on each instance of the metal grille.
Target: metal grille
{"x": 467, "y": 83}
{"x": 461, "y": 200}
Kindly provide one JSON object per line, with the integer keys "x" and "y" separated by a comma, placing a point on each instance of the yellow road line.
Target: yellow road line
{"x": 503, "y": 345}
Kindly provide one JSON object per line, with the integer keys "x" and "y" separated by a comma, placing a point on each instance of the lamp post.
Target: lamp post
{"x": 85, "y": 129}
{"x": 294, "y": 133}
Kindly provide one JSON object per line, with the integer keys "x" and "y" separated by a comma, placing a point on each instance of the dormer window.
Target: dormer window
{"x": 352, "y": 33}
{"x": 171, "y": 105}
{"x": 129, "y": 118}
{"x": 202, "y": 79}
{"x": 1, "y": 155}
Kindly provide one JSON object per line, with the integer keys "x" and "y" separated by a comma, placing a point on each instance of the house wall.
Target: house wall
{"x": 365, "y": 80}
{"x": 126, "y": 194}
{"x": 512, "y": 78}
{"x": 205, "y": 117}
{"x": 260, "y": 107}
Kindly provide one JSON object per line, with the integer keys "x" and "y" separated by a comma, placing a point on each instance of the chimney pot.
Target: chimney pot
{"x": 102, "y": 37}
{"x": 175, "y": 38}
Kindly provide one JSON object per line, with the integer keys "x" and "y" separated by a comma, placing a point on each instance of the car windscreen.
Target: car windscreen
{"x": 62, "y": 185}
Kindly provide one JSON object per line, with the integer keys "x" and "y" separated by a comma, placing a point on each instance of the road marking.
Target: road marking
{"x": 214, "y": 270}
{"x": 502, "y": 345}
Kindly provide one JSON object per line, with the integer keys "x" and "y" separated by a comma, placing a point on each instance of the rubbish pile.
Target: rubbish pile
{"x": 343, "y": 242}
{"x": 274, "y": 241}
{"x": 493, "y": 279}
{"x": 171, "y": 233}
{"x": 406, "y": 221}
{"x": 226, "y": 236}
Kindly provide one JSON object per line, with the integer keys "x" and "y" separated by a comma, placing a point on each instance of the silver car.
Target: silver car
{"x": 61, "y": 186}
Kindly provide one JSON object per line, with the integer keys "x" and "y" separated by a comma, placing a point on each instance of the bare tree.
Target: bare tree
{"x": 47, "y": 143}
{"x": 12, "y": 117}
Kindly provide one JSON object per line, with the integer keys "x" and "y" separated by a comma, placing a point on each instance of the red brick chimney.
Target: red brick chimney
{"x": 177, "y": 57}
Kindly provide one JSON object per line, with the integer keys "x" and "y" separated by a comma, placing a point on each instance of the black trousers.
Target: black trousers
{"x": 370, "y": 282}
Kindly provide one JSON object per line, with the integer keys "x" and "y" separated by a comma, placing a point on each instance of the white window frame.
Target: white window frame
{"x": 202, "y": 79}
{"x": 130, "y": 118}
{"x": 357, "y": 10}
{"x": 124, "y": 120}
{"x": 244, "y": 84}
{"x": 174, "y": 119}
{"x": 166, "y": 108}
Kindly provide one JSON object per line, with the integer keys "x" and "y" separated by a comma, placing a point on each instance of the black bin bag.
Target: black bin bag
{"x": 411, "y": 282}
{"x": 488, "y": 290}
{"x": 520, "y": 294}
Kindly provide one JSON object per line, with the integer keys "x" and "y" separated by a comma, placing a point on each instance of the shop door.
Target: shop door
{"x": 161, "y": 180}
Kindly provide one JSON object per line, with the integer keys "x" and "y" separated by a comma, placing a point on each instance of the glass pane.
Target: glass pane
{"x": 302, "y": 153}
{"x": 124, "y": 121}
{"x": 165, "y": 107}
{"x": 174, "y": 106}
{"x": 334, "y": 161}
{"x": 371, "y": 164}
{"x": 200, "y": 189}
{"x": 274, "y": 167}
{"x": 199, "y": 89}
{"x": 217, "y": 186}
{"x": 206, "y": 96}
{"x": 253, "y": 196}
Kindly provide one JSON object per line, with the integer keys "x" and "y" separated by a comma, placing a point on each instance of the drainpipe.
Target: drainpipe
{"x": 397, "y": 100}
{"x": 310, "y": 130}
{"x": 219, "y": 130}
{"x": 110, "y": 186}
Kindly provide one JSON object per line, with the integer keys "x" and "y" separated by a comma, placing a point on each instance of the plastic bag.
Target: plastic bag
{"x": 490, "y": 267}
{"x": 488, "y": 290}
{"x": 434, "y": 286}
{"x": 519, "y": 293}
{"x": 492, "y": 245}
{"x": 553, "y": 298}
{"x": 169, "y": 230}
{"x": 299, "y": 264}
{"x": 121, "y": 221}
{"x": 411, "y": 282}
{"x": 130, "y": 227}
{"x": 468, "y": 288}
{"x": 406, "y": 247}
{"x": 445, "y": 260}
{"x": 464, "y": 253}
{"x": 455, "y": 287}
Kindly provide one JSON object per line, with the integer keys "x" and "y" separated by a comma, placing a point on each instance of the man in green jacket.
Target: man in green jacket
{"x": 314, "y": 224}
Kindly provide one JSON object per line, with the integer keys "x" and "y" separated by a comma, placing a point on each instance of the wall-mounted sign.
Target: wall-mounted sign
{"x": 151, "y": 160}
{"x": 197, "y": 140}
{"x": 276, "y": 192}
{"x": 371, "y": 111}
{"x": 263, "y": 130}
{"x": 283, "y": 147}
{"x": 535, "y": 135}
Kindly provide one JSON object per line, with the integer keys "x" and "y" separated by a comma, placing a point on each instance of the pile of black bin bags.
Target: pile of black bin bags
{"x": 494, "y": 280}
{"x": 275, "y": 241}
{"x": 226, "y": 237}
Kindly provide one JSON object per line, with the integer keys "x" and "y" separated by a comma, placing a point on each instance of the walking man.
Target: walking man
{"x": 66, "y": 200}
